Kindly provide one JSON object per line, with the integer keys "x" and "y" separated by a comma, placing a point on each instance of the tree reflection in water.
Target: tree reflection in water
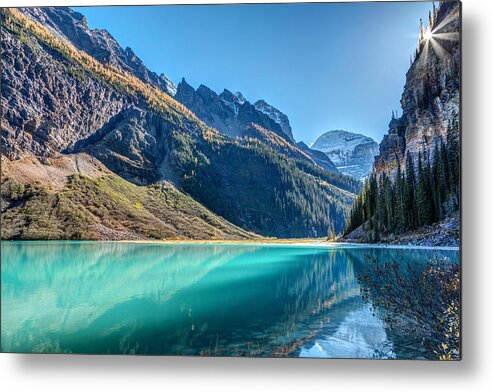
{"x": 157, "y": 299}
{"x": 419, "y": 303}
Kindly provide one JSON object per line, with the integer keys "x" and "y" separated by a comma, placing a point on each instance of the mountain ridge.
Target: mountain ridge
{"x": 99, "y": 43}
{"x": 230, "y": 112}
{"x": 61, "y": 101}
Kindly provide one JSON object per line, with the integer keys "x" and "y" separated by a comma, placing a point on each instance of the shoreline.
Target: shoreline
{"x": 312, "y": 243}
{"x": 307, "y": 243}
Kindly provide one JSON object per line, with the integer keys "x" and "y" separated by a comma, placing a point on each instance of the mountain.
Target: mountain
{"x": 352, "y": 153}
{"x": 72, "y": 26}
{"x": 298, "y": 151}
{"x": 413, "y": 192}
{"x": 210, "y": 108}
{"x": 229, "y": 112}
{"x": 93, "y": 148}
{"x": 233, "y": 100}
{"x": 169, "y": 85}
{"x": 320, "y": 158}
{"x": 276, "y": 115}
{"x": 76, "y": 197}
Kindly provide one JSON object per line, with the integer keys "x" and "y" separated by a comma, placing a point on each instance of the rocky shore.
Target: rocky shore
{"x": 444, "y": 233}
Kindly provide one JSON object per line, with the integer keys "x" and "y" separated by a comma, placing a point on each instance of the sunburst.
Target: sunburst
{"x": 431, "y": 37}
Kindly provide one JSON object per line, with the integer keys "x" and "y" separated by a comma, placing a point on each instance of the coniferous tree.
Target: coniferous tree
{"x": 439, "y": 182}
{"x": 430, "y": 189}
{"x": 454, "y": 165}
{"x": 381, "y": 210}
{"x": 423, "y": 193}
{"x": 400, "y": 204}
{"x": 389, "y": 203}
{"x": 445, "y": 165}
{"x": 419, "y": 196}
{"x": 410, "y": 193}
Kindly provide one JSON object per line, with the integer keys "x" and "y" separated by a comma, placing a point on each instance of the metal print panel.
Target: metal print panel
{"x": 224, "y": 180}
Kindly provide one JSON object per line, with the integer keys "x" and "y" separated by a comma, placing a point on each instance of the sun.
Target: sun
{"x": 428, "y": 35}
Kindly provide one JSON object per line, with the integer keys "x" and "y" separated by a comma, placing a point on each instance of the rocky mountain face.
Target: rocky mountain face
{"x": 229, "y": 112}
{"x": 276, "y": 115}
{"x": 37, "y": 84}
{"x": 151, "y": 167}
{"x": 170, "y": 86}
{"x": 352, "y": 153}
{"x": 233, "y": 100}
{"x": 210, "y": 108}
{"x": 431, "y": 97}
{"x": 72, "y": 26}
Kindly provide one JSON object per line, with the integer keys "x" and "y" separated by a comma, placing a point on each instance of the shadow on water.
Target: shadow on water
{"x": 124, "y": 298}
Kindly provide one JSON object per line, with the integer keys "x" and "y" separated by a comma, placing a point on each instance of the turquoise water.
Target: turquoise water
{"x": 161, "y": 299}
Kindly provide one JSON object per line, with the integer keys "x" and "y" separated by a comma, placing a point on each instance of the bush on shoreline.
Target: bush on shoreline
{"x": 419, "y": 300}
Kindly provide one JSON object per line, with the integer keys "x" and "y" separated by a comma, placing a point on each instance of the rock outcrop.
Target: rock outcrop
{"x": 211, "y": 108}
{"x": 49, "y": 103}
{"x": 276, "y": 115}
{"x": 413, "y": 195}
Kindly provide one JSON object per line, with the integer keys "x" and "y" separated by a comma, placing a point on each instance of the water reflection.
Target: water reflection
{"x": 189, "y": 300}
{"x": 359, "y": 335}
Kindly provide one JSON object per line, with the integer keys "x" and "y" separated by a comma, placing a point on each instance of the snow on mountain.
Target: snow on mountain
{"x": 241, "y": 98}
{"x": 233, "y": 101}
{"x": 170, "y": 85}
{"x": 352, "y": 153}
{"x": 276, "y": 115}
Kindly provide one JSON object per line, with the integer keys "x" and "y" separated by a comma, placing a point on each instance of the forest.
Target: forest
{"x": 425, "y": 192}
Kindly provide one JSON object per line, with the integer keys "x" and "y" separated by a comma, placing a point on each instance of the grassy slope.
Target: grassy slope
{"x": 102, "y": 206}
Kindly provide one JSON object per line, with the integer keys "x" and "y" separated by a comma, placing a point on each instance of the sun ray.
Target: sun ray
{"x": 446, "y": 36}
{"x": 450, "y": 18}
{"x": 439, "y": 50}
{"x": 423, "y": 56}
{"x": 429, "y": 38}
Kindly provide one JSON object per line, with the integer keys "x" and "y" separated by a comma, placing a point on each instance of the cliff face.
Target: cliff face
{"x": 413, "y": 194}
{"x": 211, "y": 108}
{"x": 431, "y": 97}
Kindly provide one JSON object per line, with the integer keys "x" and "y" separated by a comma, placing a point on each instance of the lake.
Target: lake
{"x": 194, "y": 299}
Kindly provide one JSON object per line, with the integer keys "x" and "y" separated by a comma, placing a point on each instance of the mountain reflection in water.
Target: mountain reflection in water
{"x": 162, "y": 299}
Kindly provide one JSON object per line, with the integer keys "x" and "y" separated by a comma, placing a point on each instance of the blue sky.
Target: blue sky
{"x": 327, "y": 66}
